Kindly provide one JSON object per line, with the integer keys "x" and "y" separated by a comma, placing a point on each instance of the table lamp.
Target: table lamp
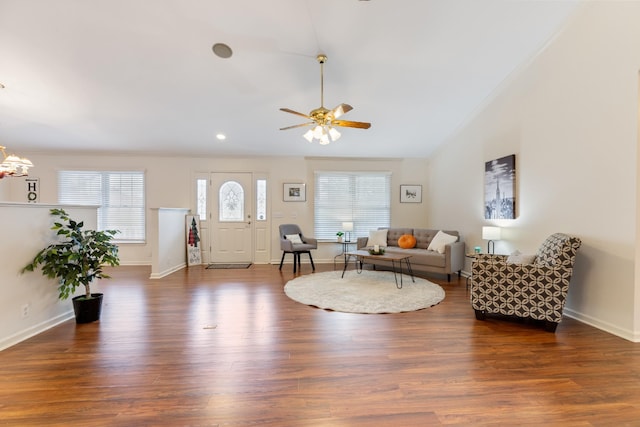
{"x": 491, "y": 234}
{"x": 347, "y": 227}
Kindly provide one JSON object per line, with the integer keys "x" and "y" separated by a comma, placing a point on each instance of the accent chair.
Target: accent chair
{"x": 530, "y": 289}
{"x": 293, "y": 241}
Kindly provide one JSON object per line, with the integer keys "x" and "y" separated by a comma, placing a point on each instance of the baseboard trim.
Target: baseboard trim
{"x": 35, "y": 330}
{"x": 167, "y": 271}
{"x": 602, "y": 325}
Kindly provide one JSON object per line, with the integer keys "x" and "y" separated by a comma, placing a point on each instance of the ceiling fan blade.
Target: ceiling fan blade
{"x": 349, "y": 124}
{"x": 341, "y": 109}
{"x": 287, "y": 110}
{"x": 298, "y": 126}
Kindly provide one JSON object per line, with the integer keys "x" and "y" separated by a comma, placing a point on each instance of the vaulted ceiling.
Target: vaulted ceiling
{"x": 141, "y": 77}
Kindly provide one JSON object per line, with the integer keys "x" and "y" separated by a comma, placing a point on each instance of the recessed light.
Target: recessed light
{"x": 222, "y": 50}
{"x": 221, "y": 136}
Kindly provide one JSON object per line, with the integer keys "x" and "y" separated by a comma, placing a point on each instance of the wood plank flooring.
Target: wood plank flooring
{"x": 228, "y": 348}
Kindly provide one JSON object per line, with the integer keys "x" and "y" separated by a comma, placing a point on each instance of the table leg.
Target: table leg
{"x": 395, "y": 274}
{"x": 346, "y": 263}
{"x": 409, "y": 269}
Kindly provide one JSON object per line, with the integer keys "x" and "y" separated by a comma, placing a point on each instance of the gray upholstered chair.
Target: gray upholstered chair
{"x": 290, "y": 245}
{"x": 537, "y": 290}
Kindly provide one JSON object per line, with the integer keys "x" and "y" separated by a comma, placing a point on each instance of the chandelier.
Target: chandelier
{"x": 13, "y": 165}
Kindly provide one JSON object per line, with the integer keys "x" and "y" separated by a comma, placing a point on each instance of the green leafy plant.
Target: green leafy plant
{"x": 77, "y": 259}
{"x": 339, "y": 234}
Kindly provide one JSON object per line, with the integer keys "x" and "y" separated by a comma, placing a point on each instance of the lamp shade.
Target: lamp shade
{"x": 347, "y": 226}
{"x": 491, "y": 233}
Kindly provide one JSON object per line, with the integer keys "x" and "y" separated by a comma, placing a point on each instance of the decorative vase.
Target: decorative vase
{"x": 87, "y": 310}
{"x": 339, "y": 239}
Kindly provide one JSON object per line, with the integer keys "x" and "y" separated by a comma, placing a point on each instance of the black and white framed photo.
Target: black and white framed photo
{"x": 411, "y": 194}
{"x": 500, "y": 188}
{"x": 294, "y": 193}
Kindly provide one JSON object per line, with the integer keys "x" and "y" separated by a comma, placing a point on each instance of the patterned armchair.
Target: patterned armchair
{"x": 537, "y": 291}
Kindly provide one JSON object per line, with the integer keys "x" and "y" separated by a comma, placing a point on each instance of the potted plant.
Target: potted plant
{"x": 77, "y": 259}
{"x": 339, "y": 234}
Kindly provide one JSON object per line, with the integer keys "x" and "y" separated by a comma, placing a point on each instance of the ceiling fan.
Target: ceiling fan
{"x": 324, "y": 120}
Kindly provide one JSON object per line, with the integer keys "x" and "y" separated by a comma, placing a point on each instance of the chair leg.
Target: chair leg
{"x": 550, "y": 326}
{"x": 296, "y": 260}
{"x": 480, "y": 315}
{"x": 311, "y": 259}
{"x": 448, "y": 277}
{"x": 282, "y": 260}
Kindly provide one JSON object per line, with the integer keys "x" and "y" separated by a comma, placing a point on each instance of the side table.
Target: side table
{"x": 345, "y": 248}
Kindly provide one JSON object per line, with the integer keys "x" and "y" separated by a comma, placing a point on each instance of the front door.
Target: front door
{"x": 231, "y": 222}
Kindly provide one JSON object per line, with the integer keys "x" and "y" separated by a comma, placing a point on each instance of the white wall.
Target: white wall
{"x": 26, "y": 230}
{"x": 169, "y": 185}
{"x": 571, "y": 119}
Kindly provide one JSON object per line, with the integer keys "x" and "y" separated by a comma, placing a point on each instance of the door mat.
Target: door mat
{"x": 228, "y": 266}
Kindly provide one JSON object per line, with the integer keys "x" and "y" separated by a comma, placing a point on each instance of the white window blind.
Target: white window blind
{"x": 120, "y": 196}
{"x": 363, "y": 198}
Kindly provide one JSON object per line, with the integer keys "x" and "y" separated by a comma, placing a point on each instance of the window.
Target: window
{"x": 363, "y": 198}
{"x": 201, "y": 196}
{"x": 231, "y": 200}
{"x": 119, "y": 195}
{"x": 261, "y": 200}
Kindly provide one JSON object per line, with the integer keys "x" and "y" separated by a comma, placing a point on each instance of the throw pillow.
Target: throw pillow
{"x": 519, "y": 258}
{"x": 407, "y": 241}
{"x": 377, "y": 237}
{"x": 295, "y": 238}
{"x": 440, "y": 240}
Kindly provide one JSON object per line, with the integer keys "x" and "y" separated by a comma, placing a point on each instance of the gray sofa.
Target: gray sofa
{"x": 422, "y": 259}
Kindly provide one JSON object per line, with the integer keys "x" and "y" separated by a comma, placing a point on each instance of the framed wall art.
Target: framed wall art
{"x": 500, "y": 188}
{"x": 411, "y": 194}
{"x": 294, "y": 193}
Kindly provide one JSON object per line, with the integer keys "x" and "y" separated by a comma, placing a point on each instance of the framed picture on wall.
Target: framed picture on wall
{"x": 294, "y": 193}
{"x": 411, "y": 194}
{"x": 500, "y": 188}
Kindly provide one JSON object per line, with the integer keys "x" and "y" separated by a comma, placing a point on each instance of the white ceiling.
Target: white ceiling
{"x": 140, "y": 76}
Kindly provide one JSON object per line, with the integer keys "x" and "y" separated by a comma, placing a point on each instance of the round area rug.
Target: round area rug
{"x": 367, "y": 292}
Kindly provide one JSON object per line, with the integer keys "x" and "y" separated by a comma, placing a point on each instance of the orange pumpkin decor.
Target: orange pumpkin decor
{"x": 407, "y": 241}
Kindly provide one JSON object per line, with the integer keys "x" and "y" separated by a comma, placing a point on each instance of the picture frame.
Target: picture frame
{"x": 410, "y": 193}
{"x": 500, "y": 188}
{"x": 294, "y": 192}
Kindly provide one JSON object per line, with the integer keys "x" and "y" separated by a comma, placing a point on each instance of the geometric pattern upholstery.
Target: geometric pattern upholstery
{"x": 537, "y": 291}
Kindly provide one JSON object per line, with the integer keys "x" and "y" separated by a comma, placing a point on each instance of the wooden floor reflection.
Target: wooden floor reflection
{"x": 228, "y": 348}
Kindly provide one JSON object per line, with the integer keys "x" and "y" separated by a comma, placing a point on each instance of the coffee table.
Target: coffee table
{"x": 361, "y": 256}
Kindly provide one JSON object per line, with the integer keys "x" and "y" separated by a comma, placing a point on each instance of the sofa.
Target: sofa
{"x": 450, "y": 258}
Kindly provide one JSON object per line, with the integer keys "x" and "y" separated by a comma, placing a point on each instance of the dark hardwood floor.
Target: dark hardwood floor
{"x": 228, "y": 348}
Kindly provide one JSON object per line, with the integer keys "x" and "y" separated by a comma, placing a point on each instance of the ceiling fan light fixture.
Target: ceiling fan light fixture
{"x": 323, "y": 120}
{"x": 334, "y": 134}
{"x": 308, "y": 135}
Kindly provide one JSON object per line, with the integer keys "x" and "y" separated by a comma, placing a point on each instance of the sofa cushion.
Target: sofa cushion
{"x": 440, "y": 241}
{"x": 423, "y": 237}
{"x": 421, "y": 256}
{"x": 378, "y": 237}
{"x": 407, "y": 241}
{"x": 394, "y": 234}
